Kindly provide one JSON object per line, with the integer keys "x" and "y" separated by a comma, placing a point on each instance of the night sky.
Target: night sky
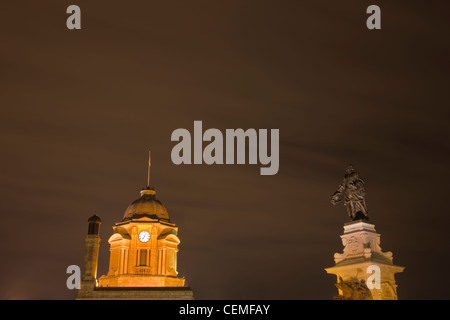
{"x": 80, "y": 110}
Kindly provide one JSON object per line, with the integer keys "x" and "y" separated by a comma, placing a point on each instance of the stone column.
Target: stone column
{"x": 91, "y": 249}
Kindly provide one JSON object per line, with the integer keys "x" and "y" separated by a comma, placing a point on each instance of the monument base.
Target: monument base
{"x": 362, "y": 255}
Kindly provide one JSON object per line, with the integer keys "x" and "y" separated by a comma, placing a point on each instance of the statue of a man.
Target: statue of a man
{"x": 351, "y": 190}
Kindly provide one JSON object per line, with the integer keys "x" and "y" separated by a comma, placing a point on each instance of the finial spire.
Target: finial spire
{"x": 149, "y": 165}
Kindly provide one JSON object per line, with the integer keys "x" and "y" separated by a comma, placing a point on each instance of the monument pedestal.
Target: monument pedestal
{"x": 361, "y": 260}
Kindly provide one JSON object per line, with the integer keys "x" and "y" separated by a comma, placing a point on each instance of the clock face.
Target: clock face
{"x": 144, "y": 236}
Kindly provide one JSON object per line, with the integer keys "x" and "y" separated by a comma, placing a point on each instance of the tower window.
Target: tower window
{"x": 143, "y": 257}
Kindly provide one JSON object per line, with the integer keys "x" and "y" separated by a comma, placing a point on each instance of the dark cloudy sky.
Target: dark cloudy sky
{"x": 81, "y": 109}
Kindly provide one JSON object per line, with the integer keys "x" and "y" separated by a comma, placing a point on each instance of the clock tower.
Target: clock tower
{"x": 144, "y": 247}
{"x": 143, "y": 256}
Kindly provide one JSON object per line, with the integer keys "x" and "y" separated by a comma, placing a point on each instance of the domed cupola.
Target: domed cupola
{"x": 146, "y": 205}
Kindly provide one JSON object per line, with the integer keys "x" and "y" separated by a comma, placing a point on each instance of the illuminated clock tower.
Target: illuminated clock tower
{"x": 144, "y": 247}
{"x": 143, "y": 256}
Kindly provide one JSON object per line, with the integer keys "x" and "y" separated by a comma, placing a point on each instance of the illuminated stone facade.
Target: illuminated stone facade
{"x": 362, "y": 250}
{"x": 143, "y": 256}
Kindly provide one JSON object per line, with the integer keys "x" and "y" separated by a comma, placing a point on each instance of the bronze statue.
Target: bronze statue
{"x": 351, "y": 190}
{"x": 353, "y": 290}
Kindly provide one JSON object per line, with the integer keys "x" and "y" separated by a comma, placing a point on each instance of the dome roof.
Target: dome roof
{"x": 94, "y": 218}
{"x": 146, "y": 205}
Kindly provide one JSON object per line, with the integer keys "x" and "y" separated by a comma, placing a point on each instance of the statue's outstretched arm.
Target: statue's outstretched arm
{"x": 337, "y": 196}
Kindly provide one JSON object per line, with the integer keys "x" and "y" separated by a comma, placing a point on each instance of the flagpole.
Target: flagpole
{"x": 149, "y": 165}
